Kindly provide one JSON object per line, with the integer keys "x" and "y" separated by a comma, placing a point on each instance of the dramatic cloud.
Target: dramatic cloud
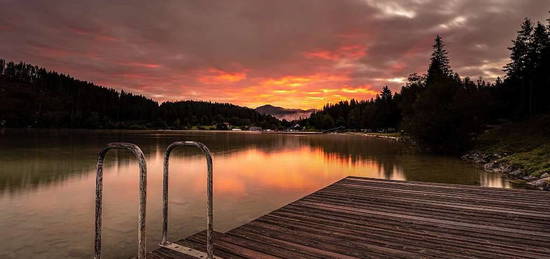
{"x": 296, "y": 53}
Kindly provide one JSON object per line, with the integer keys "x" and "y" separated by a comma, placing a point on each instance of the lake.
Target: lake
{"x": 47, "y": 182}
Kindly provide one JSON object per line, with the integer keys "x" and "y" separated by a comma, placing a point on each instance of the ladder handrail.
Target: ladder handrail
{"x": 142, "y": 196}
{"x": 209, "y": 193}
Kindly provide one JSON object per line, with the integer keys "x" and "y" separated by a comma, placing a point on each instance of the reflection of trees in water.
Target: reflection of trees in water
{"x": 354, "y": 150}
{"x": 32, "y": 158}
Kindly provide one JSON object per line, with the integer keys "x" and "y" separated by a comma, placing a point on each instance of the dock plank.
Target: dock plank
{"x": 373, "y": 218}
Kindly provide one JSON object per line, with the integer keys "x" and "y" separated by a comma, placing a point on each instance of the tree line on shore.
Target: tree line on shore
{"x": 33, "y": 97}
{"x": 443, "y": 112}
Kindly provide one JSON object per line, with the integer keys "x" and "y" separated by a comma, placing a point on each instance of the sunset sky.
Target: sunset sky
{"x": 295, "y": 53}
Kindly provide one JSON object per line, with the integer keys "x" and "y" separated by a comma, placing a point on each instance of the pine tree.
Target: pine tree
{"x": 536, "y": 49}
{"x": 537, "y": 45}
{"x": 386, "y": 94}
{"x": 519, "y": 55}
{"x": 439, "y": 64}
{"x": 519, "y": 69}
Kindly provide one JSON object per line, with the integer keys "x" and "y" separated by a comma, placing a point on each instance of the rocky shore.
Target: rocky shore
{"x": 496, "y": 162}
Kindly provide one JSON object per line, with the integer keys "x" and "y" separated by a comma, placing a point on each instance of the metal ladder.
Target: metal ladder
{"x": 142, "y": 250}
{"x": 142, "y": 196}
{"x": 209, "y": 209}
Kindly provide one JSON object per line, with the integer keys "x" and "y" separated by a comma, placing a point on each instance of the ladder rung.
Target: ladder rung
{"x": 186, "y": 250}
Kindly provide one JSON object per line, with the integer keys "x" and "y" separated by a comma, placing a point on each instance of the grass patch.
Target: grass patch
{"x": 527, "y": 144}
{"x": 536, "y": 161}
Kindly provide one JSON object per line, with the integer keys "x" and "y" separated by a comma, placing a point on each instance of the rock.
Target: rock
{"x": 476, "y": 157}
{"x": 530, "y": 178}
{"x": 516, "y": 173}
{"x": 545, "y": 175}
{"x": 489, "y": 166}
{"x": 518, "y": 181}
{"x": 498, "y": 167}
{"x": 543, "y": 184}
{"x": 506, "y": 168}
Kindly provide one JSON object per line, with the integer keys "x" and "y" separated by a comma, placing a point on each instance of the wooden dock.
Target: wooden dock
{"x": 363, "y": 218}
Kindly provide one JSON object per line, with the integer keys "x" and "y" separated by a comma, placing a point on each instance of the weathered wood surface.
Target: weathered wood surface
{"x": 363, "y": 218}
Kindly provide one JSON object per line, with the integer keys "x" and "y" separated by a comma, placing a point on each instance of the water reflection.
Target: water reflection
{"x": 48, "y": 177}
{"x": 489, "y": 180}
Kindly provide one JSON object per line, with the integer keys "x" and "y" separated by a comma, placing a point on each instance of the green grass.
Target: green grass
{"x": 527, "y": 144}
{"x": 536, "y": 161}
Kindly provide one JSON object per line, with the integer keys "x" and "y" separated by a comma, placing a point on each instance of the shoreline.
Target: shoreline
{"x": 489, "y": 162}
{"x": 520, "y": 150}
{"x": 390, "y": 136}
{"x": 495, "y": 163}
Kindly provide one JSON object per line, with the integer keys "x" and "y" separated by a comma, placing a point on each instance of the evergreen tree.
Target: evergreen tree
{"x": 439, "y": 64}
{"x": 535, "y": 56}
{"x": 436, "y": 119}
{"x": 518, "y": 69}
{"x": 539, "y": 41}
{"x": 519, "y": 52}
{"x": 386, "y": 94}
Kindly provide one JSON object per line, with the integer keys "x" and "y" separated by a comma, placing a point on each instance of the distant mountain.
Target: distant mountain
{"x": 283, "y": 113}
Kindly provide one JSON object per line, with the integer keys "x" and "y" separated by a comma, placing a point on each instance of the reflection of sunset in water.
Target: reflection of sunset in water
{"x": 302, "y": 170}
{"x": 48, "y": 192}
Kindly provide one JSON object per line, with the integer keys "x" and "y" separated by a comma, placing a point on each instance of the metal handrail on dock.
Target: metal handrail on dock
{"x": 209, "y": 220}
{"x": 142, "y": 196}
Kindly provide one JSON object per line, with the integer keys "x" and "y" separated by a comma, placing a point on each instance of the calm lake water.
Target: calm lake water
{"x": 47, "y": 183}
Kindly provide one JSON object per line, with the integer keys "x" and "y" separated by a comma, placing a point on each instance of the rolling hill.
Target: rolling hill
{"x": 283, "y": 113}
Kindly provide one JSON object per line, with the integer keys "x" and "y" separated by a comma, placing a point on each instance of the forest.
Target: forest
{"x": 32, "y": 97}
{"x": 443, "y": 112}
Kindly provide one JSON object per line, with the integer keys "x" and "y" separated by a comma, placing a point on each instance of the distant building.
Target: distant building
{"x": 236, "y": 129}
{"x": 255, "y": 129}
{"x": 297, "y": 126}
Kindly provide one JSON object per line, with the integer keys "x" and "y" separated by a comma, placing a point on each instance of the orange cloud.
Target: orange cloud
{"x": 284, "y": 91}
{"x": 343, "y": 52}
{"x": 304, "y": 91}
{"x": 295, "y": 81}
{"x": 288, "y": 81}
{"x": 359, "y": 91}
{"x": 219, "y": 76}
{"x": 322, "y": 54}
{"x": 318, "y": 91}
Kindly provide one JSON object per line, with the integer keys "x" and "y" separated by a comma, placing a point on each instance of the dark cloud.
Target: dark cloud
{"x": 299, "y": 53}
